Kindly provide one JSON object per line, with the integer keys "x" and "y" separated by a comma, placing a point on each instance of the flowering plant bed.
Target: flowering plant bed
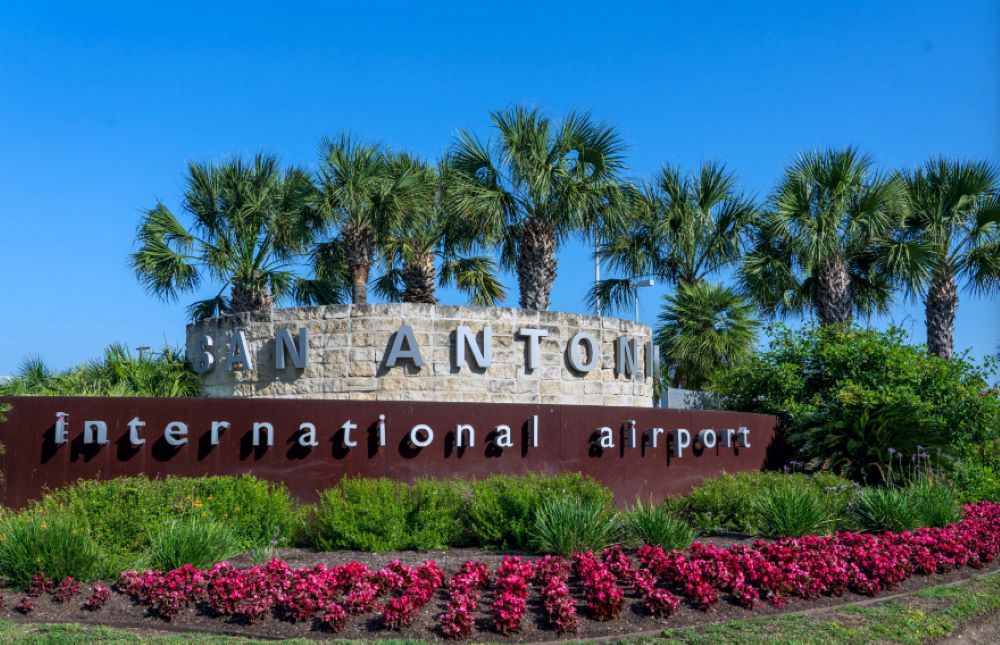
{"x": 521, "y": 598}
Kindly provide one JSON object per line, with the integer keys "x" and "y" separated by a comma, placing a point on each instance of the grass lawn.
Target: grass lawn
{"x": 931, "y": 613}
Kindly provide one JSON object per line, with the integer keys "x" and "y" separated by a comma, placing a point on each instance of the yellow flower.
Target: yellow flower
{"x": 196, "y": 503}
{"x": 210, "y": 498}
{"x": 43, "y": 526}
{"x": 38, "y": 560}
{"x": 236, "y": 510}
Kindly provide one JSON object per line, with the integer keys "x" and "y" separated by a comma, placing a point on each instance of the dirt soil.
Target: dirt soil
{"x": 122, "y": 612}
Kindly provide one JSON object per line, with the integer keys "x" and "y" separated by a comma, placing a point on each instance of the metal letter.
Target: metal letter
{"x": 204, "y": 362}
{"x": 460, "y": 431}
{"x": 654, "y": 434}
{"x": 133, "y": 431}
{"x": 216, "y": 427}
{"x": 652, "y": 361}
{"x": 308, "y": 438}
{"x": 534, "y": 431}
{"x": 347, "y": 427}
{"x": 421, "y": 427}
{"x": 175, "y": 433}
{"x": 92, "y": 427}
{"x": 533, "y": 336}
{"x": 465, "y": 338}
{"x": 263, "y": 425}
{"x": 381, "y": 430}
{"x": 625, "y": 355}
{"x": 607, "y": 437}
{"x": 682, "y": 440}
{"x": 238, "y": 353}
{"x": 744, "y": 436}
{"x": 283, "y": 343}
{"x": 503, "y": 437}
{"x": 575, "y": 360}
{"x": 397, "y": 352}
{"x": 62, "y": 423}
{"x": 707, "y": 434}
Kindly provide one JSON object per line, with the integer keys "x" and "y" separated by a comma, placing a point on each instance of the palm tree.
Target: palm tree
{"x": 679, "y": 229}
{"x": 818, "y": 246}
{"x": 704, "y": 328}
{"x": 531, "y": 188}
{"x": 249, "y": 221}
{"x": 955, "y": 214}
{"x": 429, "y": 247}
{"x": 365, "y": 191}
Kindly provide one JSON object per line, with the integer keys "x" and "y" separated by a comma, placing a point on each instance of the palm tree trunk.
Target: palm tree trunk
{"x": 536, "y": 264}
{"x": 940, "y": 307}
{"x": 359, "y": 247}
{"x": 833, "y": 293}
{"x": 420, "y": 280}
{"x": 247, "y": 298}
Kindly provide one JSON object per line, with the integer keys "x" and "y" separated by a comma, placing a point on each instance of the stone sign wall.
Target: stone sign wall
{"x": 409, "y": 352}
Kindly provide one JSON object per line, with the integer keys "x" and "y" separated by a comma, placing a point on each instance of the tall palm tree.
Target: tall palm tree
{"x": 817, "y": 247}
{"x": 429, "y": 247}
{"x": 249, "y": 220}
{"x": 531, "y": 188}
{"x": 955, "y": 213}
{"x": 704, "y": 328}
{"x": 679, "y": 229}
{"x": 365, "y": 190}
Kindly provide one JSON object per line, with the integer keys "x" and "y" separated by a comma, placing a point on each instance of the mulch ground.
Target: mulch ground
{"x": 120, "y": 611}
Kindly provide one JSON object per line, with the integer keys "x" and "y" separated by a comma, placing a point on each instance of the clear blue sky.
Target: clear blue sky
{"x": 102, "y": 106}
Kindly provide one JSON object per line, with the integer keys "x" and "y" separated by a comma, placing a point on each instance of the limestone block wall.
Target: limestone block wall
{"x": 348, "y": 346}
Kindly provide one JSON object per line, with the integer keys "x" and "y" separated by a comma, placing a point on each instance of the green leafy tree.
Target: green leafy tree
{"x": 678, "y": 228}
{"x": 366, "y": 192}
{"x": 532, "y": 187}
{"x": 847, "y": 395}
{"x": 249, "y": 220}
{"x": 704, "y": 328}
{"x": 955, "y": 214}
{"x": 822, "y": 244}
{"x": 428, "y": 248}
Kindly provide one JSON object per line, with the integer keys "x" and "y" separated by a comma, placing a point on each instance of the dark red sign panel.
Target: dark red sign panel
{"x": 52, "y": 441}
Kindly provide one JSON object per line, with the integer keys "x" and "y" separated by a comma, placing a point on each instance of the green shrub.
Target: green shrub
{"x": 120, "y": 512}
{"x": 935, "y": 503}
{"x": 436, "y": 520}
{"x": 791, "y": 512}
{"x": 116, "y": 373}
{"x": 725, "y": 502}
{"x": 656, "y": 526}
{"x": 847, "y": 396}
{"x": 502, "y": 509}
{"x": 976, "y": 475}
{"x": 55, "y": 545}
{"x": 879, "y": 509}
{"x": 191, "y": 540}
{"x": 568, "y": 525}
{"x": 364, "y": 514}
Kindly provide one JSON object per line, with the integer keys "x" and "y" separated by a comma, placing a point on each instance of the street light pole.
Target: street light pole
{"x": 636, "y": 285}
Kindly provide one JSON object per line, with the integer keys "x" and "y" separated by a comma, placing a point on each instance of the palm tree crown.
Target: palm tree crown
{"x": 816, "y": 247}
{"x": 955, "y": 215}
{"x": 531, "y": 188}
{"x": 679, "y": 229}
{"x": 365, "y": 191}
{"x": 429, "y": 247}
{"x": 249, "y": 220}
{"x": 704, "y": 329}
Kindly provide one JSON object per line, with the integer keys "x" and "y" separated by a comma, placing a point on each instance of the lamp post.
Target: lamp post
{"x": 636, "y": 284}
